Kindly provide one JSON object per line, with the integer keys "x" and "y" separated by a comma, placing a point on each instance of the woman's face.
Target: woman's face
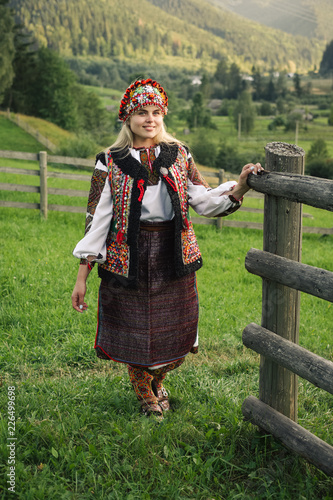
{"x": 146, "y": 124}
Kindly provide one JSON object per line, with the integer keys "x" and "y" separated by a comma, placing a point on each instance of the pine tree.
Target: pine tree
{"x": 326, "y": 65}
{"x": 297, "y": 85}
{"x": 222, "y": 72}
{"x": 257, "y": 84}
{"x": 330, "y": 118}
{"x": 235, "y": 85}
{"x": 246, "y": 108}
{"x": 7, "y": 49}
{"x": 24, "y": 65}
{"x": 198, "y": 115}
{"x": 270, "y": 91}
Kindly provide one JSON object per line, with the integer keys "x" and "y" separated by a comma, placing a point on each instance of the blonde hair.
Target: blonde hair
{"x": 125, "y": 138}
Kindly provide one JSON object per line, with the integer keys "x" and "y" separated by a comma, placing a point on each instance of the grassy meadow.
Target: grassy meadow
{"x": 79, "y": 431}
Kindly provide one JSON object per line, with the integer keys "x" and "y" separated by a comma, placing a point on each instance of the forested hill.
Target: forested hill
{"x": 193, "y": 32}
{"x": 310, "y": 18}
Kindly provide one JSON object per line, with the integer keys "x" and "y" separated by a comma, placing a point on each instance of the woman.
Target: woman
{"x": 139, "y": 232}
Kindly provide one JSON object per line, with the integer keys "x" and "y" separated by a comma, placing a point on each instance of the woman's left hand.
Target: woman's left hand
{"x": 242, "y": 187}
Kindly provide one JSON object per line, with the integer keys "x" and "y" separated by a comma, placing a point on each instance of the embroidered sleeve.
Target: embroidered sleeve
{"x": 98, "y": 215}
{"x": 96, "y": 187}
{"x": 194, "y": 175}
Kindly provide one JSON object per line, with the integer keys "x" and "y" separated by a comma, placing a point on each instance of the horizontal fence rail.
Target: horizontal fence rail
{"x": 309, "y": 279}
{"x": 292, "y": 435}
{"x": 317, "y": 370}
{"x": 294, "y": 187}
{"x": 65, "y": 160}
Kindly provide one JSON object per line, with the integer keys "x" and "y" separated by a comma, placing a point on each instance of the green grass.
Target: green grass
{"x": 109, "y": 97}
{"x": 54, "y": 133}
{"x": 15, "y": 139}
{"x": 79, "y": 431}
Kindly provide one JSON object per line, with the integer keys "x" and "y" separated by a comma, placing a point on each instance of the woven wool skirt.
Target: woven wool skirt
{"x": 157, "y": 322}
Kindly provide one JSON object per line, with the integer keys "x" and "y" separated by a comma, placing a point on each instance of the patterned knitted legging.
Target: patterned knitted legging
{"x": 141, "y": 378}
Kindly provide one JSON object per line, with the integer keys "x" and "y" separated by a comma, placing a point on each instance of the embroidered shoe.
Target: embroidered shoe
{"x": 142, "y": 385}
{"x": 161, "y": 394}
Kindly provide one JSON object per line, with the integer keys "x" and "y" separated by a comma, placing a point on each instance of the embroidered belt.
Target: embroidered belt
{"x": 157, "y": 226}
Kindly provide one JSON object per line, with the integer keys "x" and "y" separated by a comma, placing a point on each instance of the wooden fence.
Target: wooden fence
{"x": 42, "y": 158}
{"x": 285, "y": 188}
{"x": 44, "y": 174}
{"x": 284, "y": 277}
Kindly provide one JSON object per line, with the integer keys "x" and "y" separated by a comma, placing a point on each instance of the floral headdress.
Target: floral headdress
{"x": 143, "y": 93}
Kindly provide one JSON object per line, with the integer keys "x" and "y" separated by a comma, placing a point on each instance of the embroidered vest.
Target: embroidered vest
{"x": 128, "y": 181}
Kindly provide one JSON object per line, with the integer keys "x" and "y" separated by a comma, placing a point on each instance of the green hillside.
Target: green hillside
{"x": 190, "y": 32}
{"x": 310, "y": 18}
{"x": 14, "y": 138}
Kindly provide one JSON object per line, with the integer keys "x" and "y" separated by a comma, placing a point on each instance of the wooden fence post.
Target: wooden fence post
{"x": 219, "y": 220}
{"x": 43, "y": 183}
{"x": 281, "y": 304}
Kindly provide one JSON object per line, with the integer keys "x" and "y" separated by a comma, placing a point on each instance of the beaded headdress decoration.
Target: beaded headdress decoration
{"x": 143, "y": 93}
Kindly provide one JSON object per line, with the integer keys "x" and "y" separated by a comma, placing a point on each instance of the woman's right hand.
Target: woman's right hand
{"x": 78, "y": 296}
{"x": 80, "y": 289}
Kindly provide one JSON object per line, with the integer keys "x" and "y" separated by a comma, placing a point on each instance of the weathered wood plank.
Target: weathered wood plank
{"x": 68, "y": 192}
{"x": 67, "y": 208}
{"x": 261, "y": 211}
{"x": 292, "y": 435}
{"x": 255, "y": 225}
{"x": 67, "y": 160}
{"x": 59, "y": 175}
{"x": 203, "y": 221}
{"x": 23, "y": 188}
{"x": 309, "y": 279}
{"x": 18, "y": 155}
{"x": 281, "y": 305}
{"x": 18, "y": 204}
{"x": 251, "y": 210}
{"x": 210, "y": 174}
{"x": 43, "y": 183}
{"x": 18, "y": 171}
{"x": 315, "y": 369}
{"x": 74, "y": 177}
{"x": 242, "y": 224}
{"x": 291, "y": 185}
{"x": 317, "y": 230}
{"x": 300, "y": 188}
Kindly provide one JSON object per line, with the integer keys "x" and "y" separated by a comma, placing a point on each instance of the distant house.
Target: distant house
{"x": 196, "y": 80}
{"x": 305, "y": 114}
{"x": 214, "y": 105}
{"x": 247, "y": 78}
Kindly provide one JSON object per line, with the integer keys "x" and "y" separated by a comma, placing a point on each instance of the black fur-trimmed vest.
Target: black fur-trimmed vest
{"x": 128, "y": 180}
